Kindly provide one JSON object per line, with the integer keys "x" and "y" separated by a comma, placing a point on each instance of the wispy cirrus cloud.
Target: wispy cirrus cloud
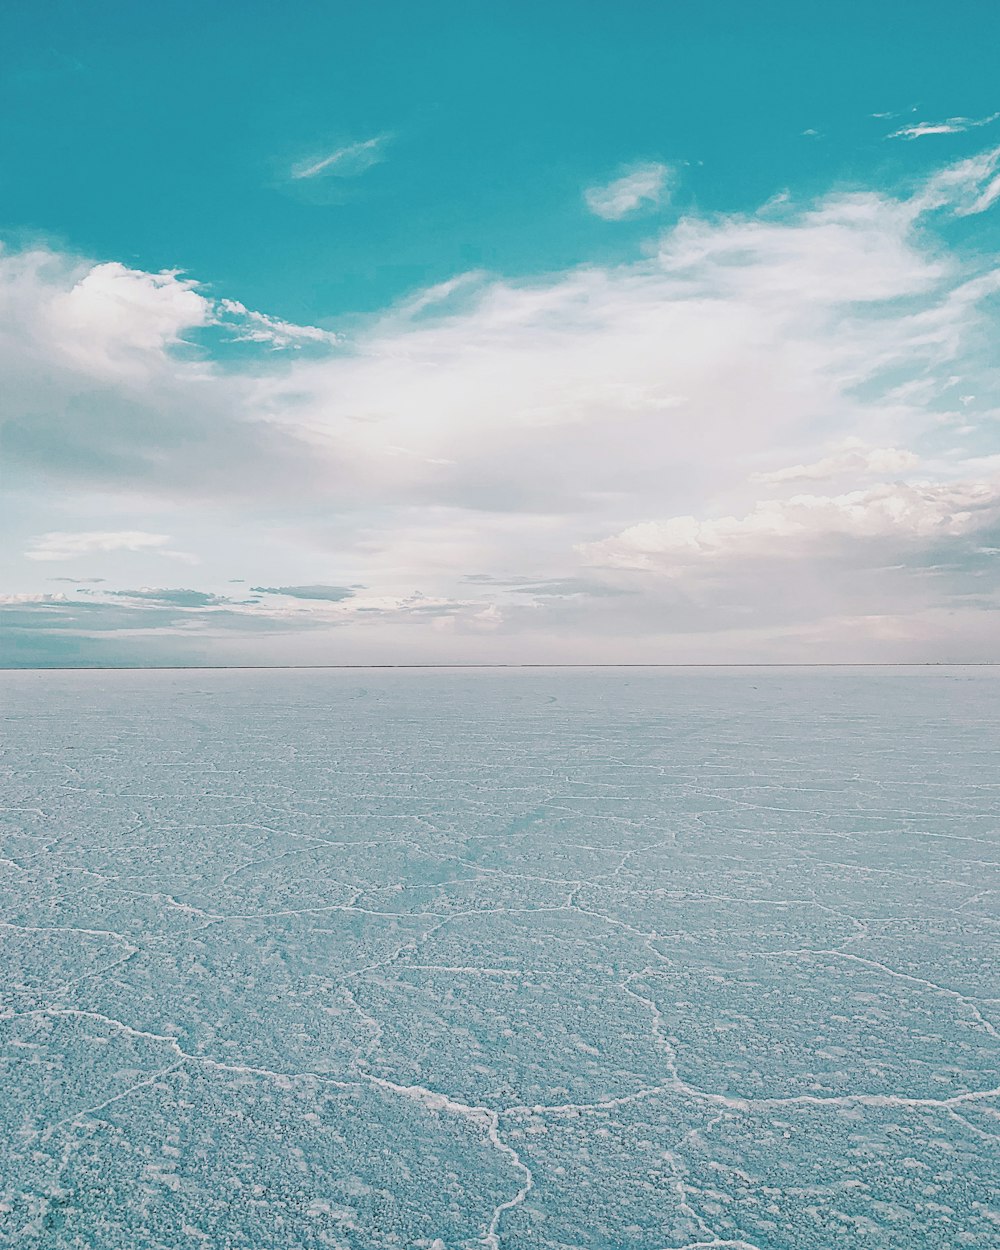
{"x": 965, "y": 188}
{"x": 348, "y": 161}
{"x": 950, "y": 126}
{"x": 248, "y": 326}
{"x": 641, "y": 186}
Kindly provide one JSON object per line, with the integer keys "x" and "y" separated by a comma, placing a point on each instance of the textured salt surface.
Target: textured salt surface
{"x": 630, "y": 959}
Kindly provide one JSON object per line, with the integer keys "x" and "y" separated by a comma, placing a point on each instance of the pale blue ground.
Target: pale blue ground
{"x": 626, "y": 959}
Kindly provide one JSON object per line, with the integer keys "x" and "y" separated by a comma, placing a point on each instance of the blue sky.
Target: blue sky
{"x": 499, "y": 332}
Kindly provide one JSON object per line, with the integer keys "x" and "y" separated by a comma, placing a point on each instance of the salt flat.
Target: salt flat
{"x": 632, "y": 959}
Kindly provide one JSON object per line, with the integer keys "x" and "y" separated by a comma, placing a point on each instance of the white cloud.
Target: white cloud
{"x": 853, "y": 457}
{"x": 68, "y": 545}
{"x": 563, "y": 393}
{"x": 344, "y": 162}
{"x": 113, "y": 318}
{"x": 640, "y": 186}
{"x": 105, "y": 381}
{"x": 498, "y": 427}
{"x": 951, "y": 126}
{"x": 897, "y": 512}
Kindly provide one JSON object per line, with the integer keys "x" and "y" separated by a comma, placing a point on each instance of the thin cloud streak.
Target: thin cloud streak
{"x": 950, "y": 126}
{"x": 852, "y": 457}
{"x": 68, "y": 545}
{"x": 346, "y": 162}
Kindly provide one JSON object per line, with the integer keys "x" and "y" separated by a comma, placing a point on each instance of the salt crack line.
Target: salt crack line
{"x": 839, "y": 953}
{"x": 66, "y": 928}
{"x": 964, "y": 999}
{"x": 492, "y": 1238}
{"x": 735, "y": 1103}
{"x": 580, "y": 1108}
{"x": 485, "y": 1118}
{"x": 89, "y": 1112}
{"x": 282, "y": 1079}
{"x": 679, "y": 1085}
{"x": 992, "y": 1138}
{"x": 717, "y": 1244}
{"x": 678, "y": 1170}
{"x": 833, "y": 1100}
{"x": 467, "y": 970}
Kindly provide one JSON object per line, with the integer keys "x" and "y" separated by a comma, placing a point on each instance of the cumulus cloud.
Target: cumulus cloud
{"x": 345, "y": 162}
{"x": 641, "y": 186}
{"x": 15, "y": 600}
{"x": 105, "y": 383}
{"x": 111, "y": 318}
{"x": 109, "y": 321}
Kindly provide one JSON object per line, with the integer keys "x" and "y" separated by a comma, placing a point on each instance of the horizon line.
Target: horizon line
{"x": 196, "y": 668}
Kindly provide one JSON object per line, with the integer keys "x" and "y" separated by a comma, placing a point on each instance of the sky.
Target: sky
{"x": 499, "y": 333}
